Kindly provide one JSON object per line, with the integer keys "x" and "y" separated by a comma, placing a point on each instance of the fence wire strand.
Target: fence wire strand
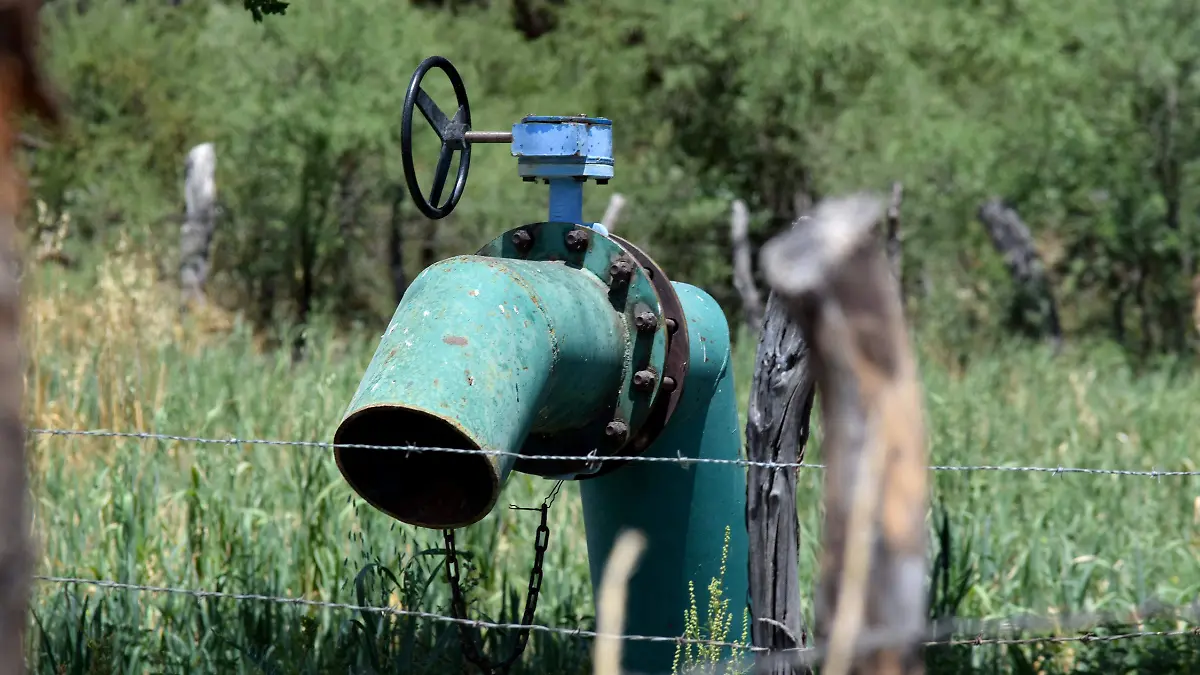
{"x": 809, "y": 654}
{"x": 393, "y": 611}
{"x": 147, "y": 436}
{"x": 805, "y": 653}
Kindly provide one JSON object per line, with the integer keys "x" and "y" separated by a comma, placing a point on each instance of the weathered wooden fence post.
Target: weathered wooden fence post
{"x": 22, "y": 89}
{"x": 837, "y": 284}
{"x": 200, "y": 193}
{"x": 1012, "y": 239}
{"x": 612, "y": 213}
{"x": 777, "y": 426}
{"x": 743, "y": 274}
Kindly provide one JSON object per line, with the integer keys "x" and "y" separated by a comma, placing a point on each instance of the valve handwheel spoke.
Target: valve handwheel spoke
{"x": 451, "y": 131}
{"x": 439, "y": 176}
{"x": 433, "y": 114}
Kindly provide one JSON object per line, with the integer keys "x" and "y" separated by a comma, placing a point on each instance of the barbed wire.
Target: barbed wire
{"x": 806, "y": 654}
{"x": 394, "y": 611}
{"x": 1057, "y": 470}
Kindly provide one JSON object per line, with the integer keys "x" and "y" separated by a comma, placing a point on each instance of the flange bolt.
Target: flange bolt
{"x": 645, "y": 322}
{"x": 577, "y": 240}
{"x": 672, "y": 326}
{"x": 616, "y": 430}
{"x": 620, "y": 271}
{"x": 644, "y": 380}
{"x": 522, "y": 240}
{"x": 668, "y": 383}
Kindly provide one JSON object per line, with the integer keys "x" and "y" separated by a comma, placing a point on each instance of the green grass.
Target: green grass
{"x": 107, "y": 353}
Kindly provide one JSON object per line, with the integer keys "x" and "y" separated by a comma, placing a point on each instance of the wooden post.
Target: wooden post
{"x": 743, "y": 275}
{"x": 777, "y": 427}
{"x": 200, "y": 193}
{"x": 1012, "y": 239}
{"x": 612, "y": 213}
{"x": 22, "y": 89}
{"x": 1196, "y": 302}
{"x": 895, "y": 254}
{"x": 610, "y": 610}
{"x": 836, "y": 283}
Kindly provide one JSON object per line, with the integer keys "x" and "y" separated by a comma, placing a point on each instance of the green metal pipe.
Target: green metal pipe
{"x": 682, "y": 510}
{"x": 480, "y": 353}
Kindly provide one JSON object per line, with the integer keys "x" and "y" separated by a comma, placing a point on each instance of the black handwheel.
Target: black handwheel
{"x": 452, "y": 132}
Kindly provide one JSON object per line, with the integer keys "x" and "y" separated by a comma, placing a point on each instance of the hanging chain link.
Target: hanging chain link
{"x": 469, "y": 635}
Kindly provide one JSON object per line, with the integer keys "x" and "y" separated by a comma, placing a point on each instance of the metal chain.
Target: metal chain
{"x": 469, "y": 635}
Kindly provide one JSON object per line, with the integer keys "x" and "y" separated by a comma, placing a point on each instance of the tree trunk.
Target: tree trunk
{"x": 22, "y": 90}
{"x": 777, "y": 428}
{"x": 312, "y": 213}
{"x": 429, "y": 243}
{"x": 200, "y": 193}
{"x": 1012, "y": 239}
{"x": 1196, "y": 303}
{"x": 396, "y": 245}
{"x": 836, "y": 284}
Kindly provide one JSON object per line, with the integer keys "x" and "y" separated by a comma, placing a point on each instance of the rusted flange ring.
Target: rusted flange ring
{"x": 675, "y": 365}
{"x": 635, "y": 414}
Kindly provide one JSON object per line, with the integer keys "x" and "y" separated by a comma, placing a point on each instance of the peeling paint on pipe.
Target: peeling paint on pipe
{"x": 479, "y": 354}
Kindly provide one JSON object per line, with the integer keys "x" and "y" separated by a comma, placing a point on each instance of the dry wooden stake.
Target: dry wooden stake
{"x": 743, "y": 274}
{"x": 1012, "y": 239}
{"x": 200, "y": 194}
{"x": 612, "y": 213}
{"x": 837, "y": 284}
{"x": 22, "y": 89}
{"x": 614, "y": 590}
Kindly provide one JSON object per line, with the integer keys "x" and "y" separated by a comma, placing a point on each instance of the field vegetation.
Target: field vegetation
{"x": 1083, "y": 117}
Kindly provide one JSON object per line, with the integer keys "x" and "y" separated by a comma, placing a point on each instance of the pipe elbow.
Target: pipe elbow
{"x": 708, "y": 337}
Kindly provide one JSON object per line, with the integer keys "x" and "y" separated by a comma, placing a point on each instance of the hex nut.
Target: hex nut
{"x": 620, "y": 271}
{"x": 577, "y": 240}
{"x": 522, "y": 240}
{"x": 616, "y": 429}
{"x": 644, "y": 380}
{"x": 645, "y": 322}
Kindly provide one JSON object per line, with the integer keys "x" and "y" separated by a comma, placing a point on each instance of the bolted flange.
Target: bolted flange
{"x": 637, "y": 291}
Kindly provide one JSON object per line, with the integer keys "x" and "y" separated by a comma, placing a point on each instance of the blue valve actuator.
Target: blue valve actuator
{"x": 565, "y": 152}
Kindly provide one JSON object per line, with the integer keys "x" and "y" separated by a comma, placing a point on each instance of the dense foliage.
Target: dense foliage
{"x": 1081, "y": 116}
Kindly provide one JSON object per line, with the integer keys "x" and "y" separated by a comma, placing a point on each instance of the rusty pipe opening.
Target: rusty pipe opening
{"x": 425, "y": 486}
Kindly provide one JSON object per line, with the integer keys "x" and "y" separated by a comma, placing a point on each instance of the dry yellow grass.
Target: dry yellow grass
{"x": 106, "y": 336}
